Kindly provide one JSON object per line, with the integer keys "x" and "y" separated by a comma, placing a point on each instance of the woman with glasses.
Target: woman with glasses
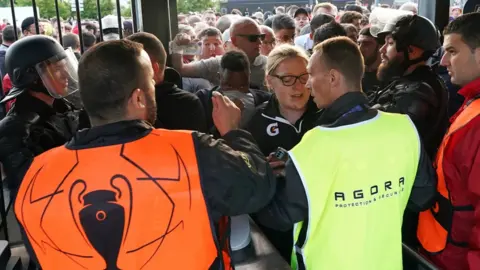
{"x": 282, "y": 121}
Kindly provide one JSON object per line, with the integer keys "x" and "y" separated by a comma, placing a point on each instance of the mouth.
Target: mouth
{"x": 296, "y": 96}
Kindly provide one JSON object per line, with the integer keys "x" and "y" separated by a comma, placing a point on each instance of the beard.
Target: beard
{"x": 390, "y": 69}
{"x": 151, "y": 107}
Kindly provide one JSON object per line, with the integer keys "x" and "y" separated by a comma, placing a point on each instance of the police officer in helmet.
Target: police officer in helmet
{"x": 413, "y": 88}
{"x": 42, "y": 74}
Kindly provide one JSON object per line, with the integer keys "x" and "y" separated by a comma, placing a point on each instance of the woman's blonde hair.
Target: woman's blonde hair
{"x": 281, "y": 53}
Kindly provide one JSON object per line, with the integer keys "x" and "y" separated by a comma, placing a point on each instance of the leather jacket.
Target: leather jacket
{"x": 424, "y": 97}
{"x": 30, "y": 128}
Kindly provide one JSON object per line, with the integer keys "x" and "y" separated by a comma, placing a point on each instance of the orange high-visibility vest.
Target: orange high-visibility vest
{"x": 137, "y": 205}
{"x": 434, "y": 225}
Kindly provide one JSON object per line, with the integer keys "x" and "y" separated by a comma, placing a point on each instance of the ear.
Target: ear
{"x": 138, "y": 100}
{"x": 233, "y": 40}
{"x": 476, "y": 54}
{"x": 269, "y": 81}
{"x": 156, "y": 67}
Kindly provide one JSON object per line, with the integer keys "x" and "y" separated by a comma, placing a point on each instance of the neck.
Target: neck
{"x": 7, "y": 43}
{"x": 292, "y": 115}
{"x": 43, "y": 97}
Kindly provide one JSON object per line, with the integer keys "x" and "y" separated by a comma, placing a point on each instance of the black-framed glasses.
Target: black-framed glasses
{"x": 253, "y": 38}
{"x": 290, "y": 80}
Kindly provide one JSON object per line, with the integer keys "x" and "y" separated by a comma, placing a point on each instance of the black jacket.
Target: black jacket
{"x": 424, "y": 97}
{"x": 290, "y": 204}
{"x": 271, "y": 130}
{"x": 205, "y": 95}
{"x": 178, "y": 109}
{"x": 30, "y": 128}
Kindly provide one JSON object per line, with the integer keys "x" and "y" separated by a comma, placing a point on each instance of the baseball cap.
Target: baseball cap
{"x": 300, "y": 11}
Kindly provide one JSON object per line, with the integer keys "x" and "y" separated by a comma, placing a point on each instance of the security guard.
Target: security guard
{"x": 351, "y": 177}
{"x": 122, "y": 195}
{"x": 42, "y": 74}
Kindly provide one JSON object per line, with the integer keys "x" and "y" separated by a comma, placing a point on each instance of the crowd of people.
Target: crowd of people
{"x": 340, "y": 132}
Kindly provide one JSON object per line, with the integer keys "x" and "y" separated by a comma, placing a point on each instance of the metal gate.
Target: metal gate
{"x": 76, "y": 7}
{"x": 158, "y": 17}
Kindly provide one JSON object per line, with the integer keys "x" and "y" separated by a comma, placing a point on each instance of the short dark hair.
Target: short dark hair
{"x": 366, "y": 32}
{"x": 90, "y": 26}
{"x": 8, "y": 34}
{"x": 353, "y": 7}
{"x": 319, "y": 20}
{"x": 350, "y": 16}
{"x": 282, "y": 21}
{"x": 27, "y": 22}
{"x": 467, "y": 27}
{"x": 107, "y": 75}
{"x": 89, "y": 39}
{"x": 329, "y": 30}
{"x": 343, "y": 55}
{"x": 71, "y": 40}
{"x": 236, "y": 61}
{"x": 268, "y": 22}
{"x": 152, "y": 45}
{"x": 209, "y": 32}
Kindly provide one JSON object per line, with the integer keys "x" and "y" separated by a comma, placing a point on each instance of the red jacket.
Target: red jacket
{"x": 7, "y": 85}
{"x": 461, "y": 165}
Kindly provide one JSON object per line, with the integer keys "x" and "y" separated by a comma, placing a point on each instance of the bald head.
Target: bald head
{"x": 246, "y": 36}
{"x": 243, "y": 25}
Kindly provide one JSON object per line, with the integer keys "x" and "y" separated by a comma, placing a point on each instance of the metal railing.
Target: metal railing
{"x": 78, "y": 18}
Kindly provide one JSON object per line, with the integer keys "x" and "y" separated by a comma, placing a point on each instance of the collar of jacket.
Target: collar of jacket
{"x": 110, "y": 134}
{"x": 470, "y": 90}
{"x": 341, "y": 106}
{"x": 272, "y": 109}
{"x": 164, "y": 87}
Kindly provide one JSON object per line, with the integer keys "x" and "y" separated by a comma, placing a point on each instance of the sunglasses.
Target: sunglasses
{"x": 253, "y": 38}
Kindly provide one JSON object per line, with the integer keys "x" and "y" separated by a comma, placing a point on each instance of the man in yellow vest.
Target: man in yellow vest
{"x": 350, "y": 179}
{"x": 122, "y": 195}
{"x": 449, "y": 232}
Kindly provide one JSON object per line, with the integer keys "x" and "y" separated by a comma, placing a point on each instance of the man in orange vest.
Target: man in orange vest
{"x": 450, "y": 231}
{"x": 123, "y": 195}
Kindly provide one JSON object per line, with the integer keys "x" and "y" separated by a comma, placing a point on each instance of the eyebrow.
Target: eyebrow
{"x": 448, "y": 47}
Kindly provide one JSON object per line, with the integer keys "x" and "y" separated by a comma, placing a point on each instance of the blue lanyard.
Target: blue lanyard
{"x": 357, "y": 108}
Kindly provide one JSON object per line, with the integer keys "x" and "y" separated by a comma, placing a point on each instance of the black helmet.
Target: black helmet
{"x": 412, "y": 30}
{"x": 40, "y": 58}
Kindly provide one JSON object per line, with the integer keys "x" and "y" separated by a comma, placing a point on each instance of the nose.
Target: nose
{"x": 383, "y": 49}
{"x": 211, "y": 47}
{"x": 445, "y": 60}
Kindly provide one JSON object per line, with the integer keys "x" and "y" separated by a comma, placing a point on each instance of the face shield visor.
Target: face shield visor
{"x": 383, "y": 20}
{"x": 59, "y": 74}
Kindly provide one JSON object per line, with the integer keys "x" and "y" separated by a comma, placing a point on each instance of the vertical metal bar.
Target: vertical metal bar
{"x": 119, "y": 17}
{"x": 99, "y": 13}
{"x": 79, "y": 24}
{"x": 35, "y": 15}
{"x": 134, "y": 16}
{"x": 59, "y": 23}
{"x": 12, "y": 6}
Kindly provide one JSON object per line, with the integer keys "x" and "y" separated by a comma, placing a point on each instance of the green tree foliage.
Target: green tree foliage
{"x": 127, "y": 10}
{"x": 185, "y": 6}
{"x": 107, "y": 7}
{"x": 47, "y": 7}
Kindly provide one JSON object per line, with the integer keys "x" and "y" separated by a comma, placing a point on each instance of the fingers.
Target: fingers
{"x": 277, "y": 164}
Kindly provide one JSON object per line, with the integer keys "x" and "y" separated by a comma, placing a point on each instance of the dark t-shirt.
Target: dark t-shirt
{"x": 178, "y": 109}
